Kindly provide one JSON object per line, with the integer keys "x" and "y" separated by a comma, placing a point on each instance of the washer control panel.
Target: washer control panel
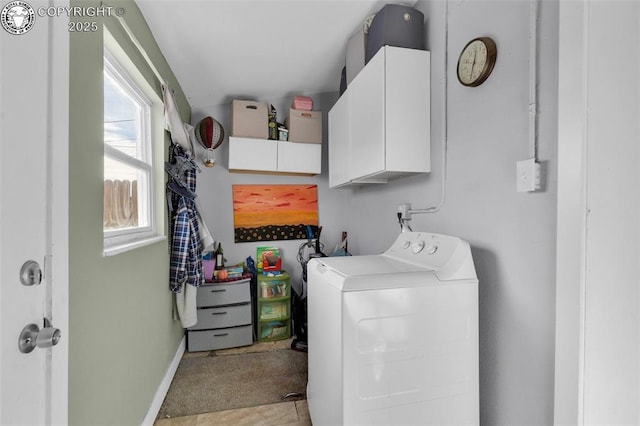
{"x": 423, "y": 248}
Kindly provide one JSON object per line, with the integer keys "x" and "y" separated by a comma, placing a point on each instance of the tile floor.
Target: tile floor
{"x": 292, "y": 413}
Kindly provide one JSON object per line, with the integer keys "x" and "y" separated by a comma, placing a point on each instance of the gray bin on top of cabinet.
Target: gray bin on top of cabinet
{"x": 395, "y": 25}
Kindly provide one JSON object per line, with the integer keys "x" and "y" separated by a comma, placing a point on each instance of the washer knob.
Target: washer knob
{"x": 432, "y": 249}
{"x": 417, "y": 247}
{"x": 406, "y": 244}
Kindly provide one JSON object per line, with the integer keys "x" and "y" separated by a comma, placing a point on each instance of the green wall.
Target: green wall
{"x": 122, "y": 335}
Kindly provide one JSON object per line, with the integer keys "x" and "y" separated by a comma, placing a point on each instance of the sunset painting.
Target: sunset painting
{"x": 274, "y": 212}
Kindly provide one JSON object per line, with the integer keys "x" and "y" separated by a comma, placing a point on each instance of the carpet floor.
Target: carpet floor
{"x": 228, "y": 381}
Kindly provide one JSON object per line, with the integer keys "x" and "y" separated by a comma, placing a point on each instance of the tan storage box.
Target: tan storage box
{"x": 304, "y": 126}
{"x": 249, "y": 119}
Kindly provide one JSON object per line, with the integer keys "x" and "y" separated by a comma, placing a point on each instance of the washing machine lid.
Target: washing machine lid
{"x": 351, "y": 266}
{"x": 372, "y": 272}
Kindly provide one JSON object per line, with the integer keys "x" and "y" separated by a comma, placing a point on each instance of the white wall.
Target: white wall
{"x": 512, "y": 234}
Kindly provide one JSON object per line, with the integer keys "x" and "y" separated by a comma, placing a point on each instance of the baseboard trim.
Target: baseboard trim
{"x": 161, "y": 393}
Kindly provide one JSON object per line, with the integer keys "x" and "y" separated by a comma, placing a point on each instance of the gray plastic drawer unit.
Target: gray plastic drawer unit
{"x": 224, "y": 317}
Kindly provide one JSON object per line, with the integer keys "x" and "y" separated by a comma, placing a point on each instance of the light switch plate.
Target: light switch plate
{"x": 527, "y": 175}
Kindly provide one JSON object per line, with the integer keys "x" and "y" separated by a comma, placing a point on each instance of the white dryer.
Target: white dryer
{"x": 393, "y": 338}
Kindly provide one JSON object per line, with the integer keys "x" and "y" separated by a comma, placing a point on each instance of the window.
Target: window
{"x": 129, "y": 201}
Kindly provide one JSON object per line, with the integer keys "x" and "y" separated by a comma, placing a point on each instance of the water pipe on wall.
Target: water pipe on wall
{"x": 533, "y": 81}
{"x": 528, "y": 171}
{"x": 404, "y": 210}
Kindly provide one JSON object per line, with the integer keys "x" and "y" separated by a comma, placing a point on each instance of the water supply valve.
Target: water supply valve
{"x": 404, "y": 216}
{"x": 404, "y": 211}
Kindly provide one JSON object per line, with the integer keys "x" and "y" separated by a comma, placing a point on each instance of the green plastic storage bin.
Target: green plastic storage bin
{"x": 274, "y": 330}
{"x": 274, "y": 287}
{"x": 273, "y": 307}
{"x": 272, "y": 310}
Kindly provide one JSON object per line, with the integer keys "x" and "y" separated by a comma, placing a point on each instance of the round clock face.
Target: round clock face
{"x": 476, "y": 61}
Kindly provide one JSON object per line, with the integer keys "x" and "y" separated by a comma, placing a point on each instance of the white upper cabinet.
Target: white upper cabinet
{"x": 269, "y": 156}
{"x": 339, "y": 135}
{"x": 380, "y": 127}
{"x": 298, "y": 157}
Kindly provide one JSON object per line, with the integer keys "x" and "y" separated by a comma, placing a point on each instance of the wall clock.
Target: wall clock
{"x": 476, "y": 61}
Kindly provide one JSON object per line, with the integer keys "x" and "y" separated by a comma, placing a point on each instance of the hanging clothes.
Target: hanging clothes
{"x": 173, "y": 121}
{"x": 186, "y": 255}
{"x": 189, "y": 234}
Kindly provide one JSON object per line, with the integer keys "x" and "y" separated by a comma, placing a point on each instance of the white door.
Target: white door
{"x": 597, "y": 368}
{"x": 34, "y": 117}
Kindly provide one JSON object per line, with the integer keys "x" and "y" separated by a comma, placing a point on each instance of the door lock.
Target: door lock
{"x": 33, "y": 336}
{"x": 30, "y": 273}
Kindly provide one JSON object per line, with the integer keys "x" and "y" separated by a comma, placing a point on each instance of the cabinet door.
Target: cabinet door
{"x": 367, "y": 100}
{"x": 253, "y": 154}
{"x": 408, "y": 114}
{"x": 298, "y": 157}
{"x": 339, "y": 140}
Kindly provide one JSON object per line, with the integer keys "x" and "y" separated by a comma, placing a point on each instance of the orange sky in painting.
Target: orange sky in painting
{"x": 259, "y": 205}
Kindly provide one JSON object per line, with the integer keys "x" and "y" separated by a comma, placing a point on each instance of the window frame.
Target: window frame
{"x": 120, "y": 240}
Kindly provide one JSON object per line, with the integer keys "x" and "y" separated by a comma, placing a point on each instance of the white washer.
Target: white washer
{"x": 393, "y": 338}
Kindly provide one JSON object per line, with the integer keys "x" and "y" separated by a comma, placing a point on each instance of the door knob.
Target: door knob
{"x": 33, "y": 336}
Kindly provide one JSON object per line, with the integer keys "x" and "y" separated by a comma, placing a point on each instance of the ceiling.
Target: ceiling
{"x": 257, "y": 49}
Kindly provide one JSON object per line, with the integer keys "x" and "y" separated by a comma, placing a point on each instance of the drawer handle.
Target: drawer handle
{"x": 221, "y": 335}
{"x": 220, "y": 290}
{"x": 219, "y": 313}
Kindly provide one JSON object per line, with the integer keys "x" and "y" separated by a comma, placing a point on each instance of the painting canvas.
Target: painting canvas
{"x": 274, "y": 212}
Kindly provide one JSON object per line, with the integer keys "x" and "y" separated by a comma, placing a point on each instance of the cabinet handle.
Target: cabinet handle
{"x": 219, "y": 290}
{"x": 221, "y": 335}
{"x": 219, "y": 313}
